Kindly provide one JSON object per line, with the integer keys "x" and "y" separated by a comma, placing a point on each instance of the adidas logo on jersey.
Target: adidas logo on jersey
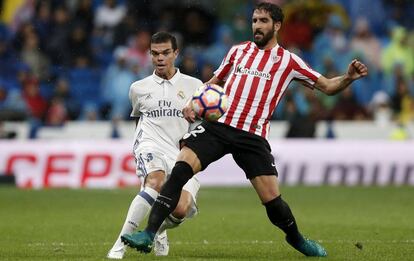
{"x": 148, "y": 97}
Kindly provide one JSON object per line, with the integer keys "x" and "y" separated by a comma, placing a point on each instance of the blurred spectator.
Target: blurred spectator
{"x": 380, "y": 108}
{"x": 109, "y": 14}
{"x": 116, "y": 83}
{"x": 146, "y": 12}
{"x": 398, "y": 52}
{"x": 403, "y": 103}
{"x": 42, "y": 19}
{"x": 374, "y": 11}
{"x": 78, "y": 43}
{"x": 8, "y": 62}
{"x": 241, "y": 28}
{"x": 57, "y": 42}
{"x": 214, "y": 53}
{"x": 304, "y": 20}
{"x": 24, "y": 31}
{"x": 63, "y": 95}
{"x": 166, "y": 20}
{"x": 363, "y": 41}
{"x": 197, "y": 26}
{"x": 400, "y": 12}
{"x": 300, "y": 125}
{"x": 90, "y": 112}
{"x": 138, "y": 51}
{"x": 188, "y": 64}
{"x": 84, "y": 15}
{"x": 101, "y": 50}
{"x": 36, "y": 104}
{"x": 84, "y": 81}
{"x": 296, "y": 30}
{"x": 347, "y": 108}
{"x": 32, "y": 55}
{"x": 12, "y": 105}
{"x": 56, "y": 114}
{"x": 332, "y": 43}
{"x": 390, "y": 81}
{"x": 124, "y": 30}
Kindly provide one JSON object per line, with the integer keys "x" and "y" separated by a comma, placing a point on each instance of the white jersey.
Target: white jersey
{"x": 158, "y": 103}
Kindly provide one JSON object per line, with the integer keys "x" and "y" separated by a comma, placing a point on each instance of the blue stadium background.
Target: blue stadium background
{"x": 75, "y": 59}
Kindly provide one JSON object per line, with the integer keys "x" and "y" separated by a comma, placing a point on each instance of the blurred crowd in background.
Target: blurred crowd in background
{"x": 64, "y": 60}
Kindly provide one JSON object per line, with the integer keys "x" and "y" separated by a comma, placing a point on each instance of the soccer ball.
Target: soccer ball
{"x": 209, "y": 102}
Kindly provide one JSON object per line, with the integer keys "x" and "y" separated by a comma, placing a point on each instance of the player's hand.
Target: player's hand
{"x": 357, "y": 70}
{"x": 189, "y": 114}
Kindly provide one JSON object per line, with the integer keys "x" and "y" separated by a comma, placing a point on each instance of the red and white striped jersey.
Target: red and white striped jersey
{"x": 255, "y": 82}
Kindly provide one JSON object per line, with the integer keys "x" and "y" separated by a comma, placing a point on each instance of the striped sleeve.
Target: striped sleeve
{"x": 303, "y": 72}
{"x": 227, "y": 64}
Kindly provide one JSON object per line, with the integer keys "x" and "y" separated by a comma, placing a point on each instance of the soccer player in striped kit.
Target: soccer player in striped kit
{"x": 255, "y": 76}
{"x": 157, "y": 103}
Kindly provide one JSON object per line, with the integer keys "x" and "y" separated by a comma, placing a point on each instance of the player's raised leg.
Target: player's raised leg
{"x": 280, "y": 215}
{"x": 144, "y": 241}
{"x": 187, "y": 164}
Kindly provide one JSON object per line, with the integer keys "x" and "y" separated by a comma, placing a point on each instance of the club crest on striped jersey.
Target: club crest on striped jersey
{"x": 276, "y": 58}
{"x": 240, "y": 70}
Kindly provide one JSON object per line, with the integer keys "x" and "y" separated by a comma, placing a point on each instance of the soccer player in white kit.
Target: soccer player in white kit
{"x": 157, "y": 101}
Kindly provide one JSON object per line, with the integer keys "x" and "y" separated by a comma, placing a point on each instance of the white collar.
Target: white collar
{"x": 173, "y": 80}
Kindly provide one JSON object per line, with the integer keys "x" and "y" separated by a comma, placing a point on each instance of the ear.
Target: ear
{"x": 176, "y": 52}
{"x": 277, "y": 26}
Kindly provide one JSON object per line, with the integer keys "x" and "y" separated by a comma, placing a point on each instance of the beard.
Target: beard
{"x": 265, "y": 38}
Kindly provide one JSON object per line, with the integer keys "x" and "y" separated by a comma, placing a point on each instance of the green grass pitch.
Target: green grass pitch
{"x": 370, "y": 223}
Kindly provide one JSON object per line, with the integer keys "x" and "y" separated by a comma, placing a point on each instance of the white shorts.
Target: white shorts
{"x": 149, "y": 161}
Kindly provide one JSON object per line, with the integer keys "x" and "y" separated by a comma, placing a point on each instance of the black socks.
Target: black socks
{"x": 281, "y": 216}
{"x": 169, "y": 196}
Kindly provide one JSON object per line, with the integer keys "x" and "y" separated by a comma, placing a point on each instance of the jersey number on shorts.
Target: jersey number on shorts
{"x": 199, "y": 129}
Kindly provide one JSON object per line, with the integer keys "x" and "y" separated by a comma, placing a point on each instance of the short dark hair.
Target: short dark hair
{"x": 164, "y": 37}
{"x": 274, "y": 10}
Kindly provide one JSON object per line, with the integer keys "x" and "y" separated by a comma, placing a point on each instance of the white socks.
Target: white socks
{"x": 170, "y": 222}
{"x": 138, "y": 210}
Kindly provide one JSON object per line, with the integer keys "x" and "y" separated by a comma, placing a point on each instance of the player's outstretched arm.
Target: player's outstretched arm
{"x": 332, "y": 86}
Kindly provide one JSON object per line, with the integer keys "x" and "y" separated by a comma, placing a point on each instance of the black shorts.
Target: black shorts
{"x": 212, "y": 140}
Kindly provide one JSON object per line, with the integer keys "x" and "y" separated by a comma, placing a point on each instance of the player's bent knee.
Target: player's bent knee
{"x": 182, "y": 171}
{"x": 190, "y": 157}
{"x": 155, "y": 180}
